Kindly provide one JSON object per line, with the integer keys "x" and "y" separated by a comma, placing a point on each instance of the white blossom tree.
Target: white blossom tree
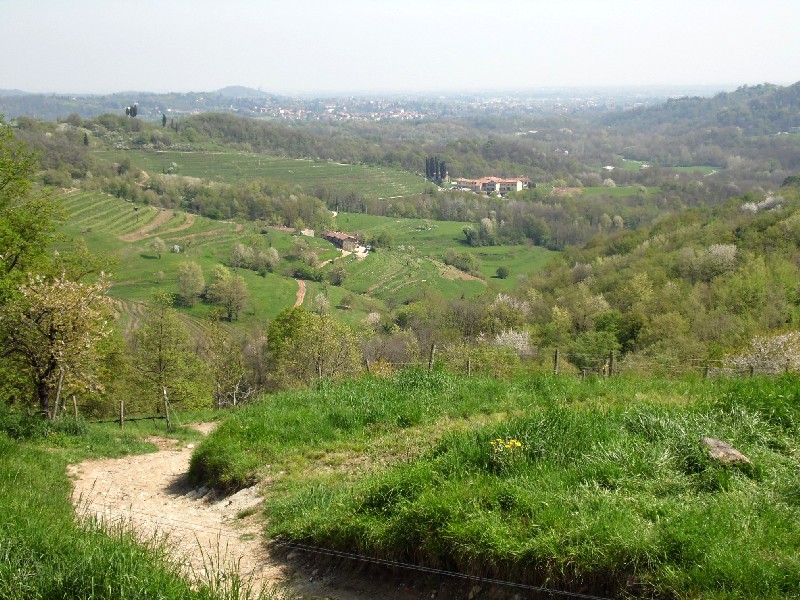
{"x": 52, "y": 328}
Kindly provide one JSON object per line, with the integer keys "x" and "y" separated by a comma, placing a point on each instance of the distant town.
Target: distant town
{"x": 372, "y": 108}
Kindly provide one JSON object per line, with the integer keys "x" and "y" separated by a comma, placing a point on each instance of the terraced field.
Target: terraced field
{"x": 420, "y": 245}
{"x": 113, "y": 227}
{"x": 230, "y": 167}
{"x": 387, "y": 277}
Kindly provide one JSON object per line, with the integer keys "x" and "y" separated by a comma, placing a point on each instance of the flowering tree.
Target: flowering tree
{"x": 52, "y": 328}
{"x": 769, "y": 354}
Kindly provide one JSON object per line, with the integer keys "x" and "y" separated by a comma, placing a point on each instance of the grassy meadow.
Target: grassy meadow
{"x": 600, "y": 485}
{"x": 232, "y": 167}
{"x": 417, "y": 254}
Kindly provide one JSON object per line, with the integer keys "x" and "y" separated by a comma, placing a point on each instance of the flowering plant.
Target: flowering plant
{"x": 505, "y": 452}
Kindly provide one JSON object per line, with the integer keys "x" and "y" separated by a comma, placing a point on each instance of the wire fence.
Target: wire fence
{"x": 506, "y": 365}
{"x": 583, "y": 365}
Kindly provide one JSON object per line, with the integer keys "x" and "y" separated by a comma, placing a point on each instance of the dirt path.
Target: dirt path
{"x": 301, "y": 292}
{"x": 151, "y": 494}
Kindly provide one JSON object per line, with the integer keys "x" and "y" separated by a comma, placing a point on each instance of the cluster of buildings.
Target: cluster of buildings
{"x": 340, "y": 112}
{"x": 489, "y": 185}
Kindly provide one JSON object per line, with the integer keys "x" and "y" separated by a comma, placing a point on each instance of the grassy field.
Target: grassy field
{"x": 617, "y": 192}
{"x": 636, "y": 165}
{"x": 415, "y": 260}
{"x": 231, "y": 167}
{"x": 598, "y": 486}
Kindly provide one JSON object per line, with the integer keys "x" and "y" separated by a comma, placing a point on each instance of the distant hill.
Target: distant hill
{"x": 757, "y": 110}
{"x": 13, "y": 93}
{"x": 240, "y": 91}
{"x": 50, "y": 107}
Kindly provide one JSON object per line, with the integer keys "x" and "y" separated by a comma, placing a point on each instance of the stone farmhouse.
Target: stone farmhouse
{"x": 346, "y": 241}
{"x": 488, "y": 185}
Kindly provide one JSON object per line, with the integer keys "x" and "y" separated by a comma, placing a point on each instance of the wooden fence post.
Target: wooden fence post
{"x": 611, "y": 361}
{"x": 366, "y": 361}
{"x": 752, "y": 370}
{"x": 74, "y": 406}
{"x": 583, "y": 374}
{"x": 433, "y": 354}
{"x": 707, "y": 372}
{"x": 469, "y": 367}
{"x": 555, "y": 362}
{"x": 166, "y": 409}
{"x": 121, "y": 414}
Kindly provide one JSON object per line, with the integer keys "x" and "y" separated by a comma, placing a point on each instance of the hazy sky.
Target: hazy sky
{"x": 310, "y": 46}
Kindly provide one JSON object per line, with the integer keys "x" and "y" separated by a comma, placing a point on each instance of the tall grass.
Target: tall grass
{"x": 608, "y": 489}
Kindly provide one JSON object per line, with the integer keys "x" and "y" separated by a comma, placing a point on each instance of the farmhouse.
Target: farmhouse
{"x": 487, "y": 185}
{"x": 339, "y": 238}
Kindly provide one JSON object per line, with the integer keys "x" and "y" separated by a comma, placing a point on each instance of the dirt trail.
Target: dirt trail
{"x": 152, "y": 494}
{"x": 301, "y": 292}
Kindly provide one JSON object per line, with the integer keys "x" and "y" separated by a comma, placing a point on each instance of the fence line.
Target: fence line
{"x": 541, "y": 361}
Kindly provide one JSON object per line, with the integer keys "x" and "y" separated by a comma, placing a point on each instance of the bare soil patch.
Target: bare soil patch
{"x": 450, "y": 272}
{"x": 567, "y": 191}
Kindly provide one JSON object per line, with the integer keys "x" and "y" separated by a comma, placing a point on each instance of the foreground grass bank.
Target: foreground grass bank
{"x": 46, "y": 553}
{"x": 599, "y": 485}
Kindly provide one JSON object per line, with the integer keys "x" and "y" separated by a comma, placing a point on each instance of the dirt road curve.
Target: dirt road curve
{"x": 301, "y": 292}
{"x": 151, "y": 494}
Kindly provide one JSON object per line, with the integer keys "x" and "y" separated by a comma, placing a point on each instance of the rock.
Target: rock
{"x": 201, "y": 492}
{"x": 189, "y": 446}
{"x": 723, "y": 452}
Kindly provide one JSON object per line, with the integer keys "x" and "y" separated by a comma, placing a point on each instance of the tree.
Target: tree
{"x": 337, "y": 275}
{"x": 305, "y": 346}
{"x": 163, "y": 120}
{"x": 228, "y": 290}
{"x": 190, "y": 283}
{"x": 27, "y": 220}
{"x": 52, "y": 329}
{"x": 241, "y": 256}
{"x": 265, "y": 261}
{"x": 163, "y": 358}
{"x": 157, "y": 246}
{"x": 503, "y": 272}
{"x": 226, "y": 366}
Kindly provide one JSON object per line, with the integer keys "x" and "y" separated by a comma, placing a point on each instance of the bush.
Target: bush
{"x": 20, "y": 425}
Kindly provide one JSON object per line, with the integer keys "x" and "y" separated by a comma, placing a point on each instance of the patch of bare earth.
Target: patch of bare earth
{"x": 567, "y": 191}
{"x": 450, "y": 272}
